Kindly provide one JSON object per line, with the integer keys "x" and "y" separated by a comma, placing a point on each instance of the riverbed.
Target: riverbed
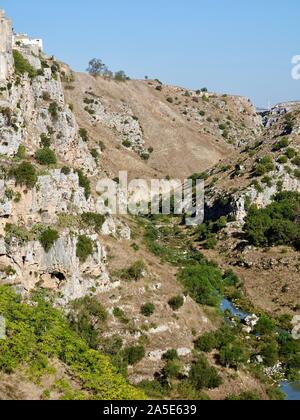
{"x": 291, "y": 390}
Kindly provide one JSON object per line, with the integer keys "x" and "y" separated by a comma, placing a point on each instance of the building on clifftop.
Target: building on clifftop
{"x": 24, "y": 41}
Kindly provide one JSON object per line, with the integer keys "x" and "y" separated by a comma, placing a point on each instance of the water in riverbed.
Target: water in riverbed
{"x": 291, "y": 390}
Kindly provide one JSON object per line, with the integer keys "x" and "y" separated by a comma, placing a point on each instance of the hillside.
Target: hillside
{"x": 269, "y": 166}
{"x": 186, "y": 131}
{"x": 103, "y": 306}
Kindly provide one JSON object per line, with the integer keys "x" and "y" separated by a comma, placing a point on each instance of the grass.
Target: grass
{"x": 38, "y": 333}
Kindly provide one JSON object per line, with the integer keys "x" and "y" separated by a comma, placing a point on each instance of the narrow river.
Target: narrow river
{"x": 291, "y": 390}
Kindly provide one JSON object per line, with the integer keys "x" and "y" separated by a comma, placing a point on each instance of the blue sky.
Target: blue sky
{"x": 233, "y": 46}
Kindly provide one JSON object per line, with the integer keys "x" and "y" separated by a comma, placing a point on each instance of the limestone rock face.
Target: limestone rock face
{"x": 122, "y": 120}
{"x": 57, "y": 193}
{"x": 264, "y": 198}
{"x": 35, "y": 108}
{"x": 6, "y": 58}
{"x": 59, "y": 269}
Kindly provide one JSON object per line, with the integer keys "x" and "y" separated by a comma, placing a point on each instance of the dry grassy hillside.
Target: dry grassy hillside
{"x": 271, "y": 165}
{"x": 185, "y": 131}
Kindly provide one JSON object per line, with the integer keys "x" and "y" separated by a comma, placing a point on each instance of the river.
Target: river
{"x": 291, "y": 390}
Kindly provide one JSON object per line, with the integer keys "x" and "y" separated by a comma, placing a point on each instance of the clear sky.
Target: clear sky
{"x": 234, "y": 46}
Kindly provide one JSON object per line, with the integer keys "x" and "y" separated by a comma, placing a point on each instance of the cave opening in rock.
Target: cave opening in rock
{"x": 58, "y": 275}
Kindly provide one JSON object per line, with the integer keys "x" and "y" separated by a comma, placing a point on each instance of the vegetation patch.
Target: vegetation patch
{"x": 38, "y": 333}
{"x": 204, "y": 283}
{"x": 277, "y": 224}
{"x": 93, "y": 220}
{"x": 84, "y": 248}
{"x": 48, "y": 238}
{"x": 45, "y": 156}
{"x": 84, "y": 183}
{"x": 22, "y": 65}
{"x": 24, "y": 174}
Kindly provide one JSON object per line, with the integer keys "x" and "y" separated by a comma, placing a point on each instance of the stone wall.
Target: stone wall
{"x": 6, "y": 57}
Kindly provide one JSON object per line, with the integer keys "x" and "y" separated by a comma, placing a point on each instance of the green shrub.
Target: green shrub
{"x": 176, "y": 302}
{"x": 48, "y": 238}
{"x": 136, "y": 271}
{"x": 84, "y": 248}
{"x": 39, "y": 334}
{"x": 202, "y": 176}
{"x": 170, "y": 355}
{"x": 265, "y": 325}
{"x": 21, "y": 153}
{"x": 207, "y": 342}
{"x": 24, "y": 174}
{"x": 118, "y": 313}
{"x": 148, "y": 309}
{"x": 275, "y": 394}
{"x": 45, "y": 140}
{"x": 282, "y": 160}
{"x": 211, "y": 242}
{"x": 86, "y": 317}
{"x": 281, "y": 144}
{"x": 276, "y": 224}
{"x": 230, "y": 279}
{"x": 202, "y": 375}
{"x": 297, "y": 173}
{"x": 296, "y": 161}
{"x": 46, "y": 96}
{"x": 127, "y": 143}
{"x": 93, "y": 220}
{"x": 95, "y": 154}
{"x": 267, "y": 180}
{"x": 84, "y": 134}
{"x": 270, "y": 353}
{"x": 65, "y": 170}
{"x": 232, "y": 355}
{"x": 54, "y": 110}
{"x": 18, "y": 232}
{"x": 245, "y": 396}
{"x": 22, "y": 65}
{"x": 145, "y": 156}
{"x": 120, "y": 76}
{"x": 153, "y": 389}
{"x": 264, "y": 166}
{"x": 172, "y": 369}
{"x": 203, "y": 283}
{"x": 84, "y": 183}
{"x": 290, "y": 153}
{"x": 134, "y": 354}
{"x": 45, "y": 156}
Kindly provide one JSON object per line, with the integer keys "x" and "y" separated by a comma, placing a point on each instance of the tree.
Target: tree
{"x": 172, "y": 369}
{"x": 202, "y": 375}
{"x": 203, "y": 283}
{"x": 207, "y": 342}
{"x": 46, "y": 156}
{"x": 148, "y": 309}
{"x": 232, "y": 355}
{"x": 96, "y": 67}
{"x": 170, "y": 355}
{"x": 24, "y": 174}
{"x": 48, "y": 238}
{"x": 120, "y": 76}
{"x": 84, "y": 248}
{"x": 176, "y": 302}
{"x": 134, "y": 354}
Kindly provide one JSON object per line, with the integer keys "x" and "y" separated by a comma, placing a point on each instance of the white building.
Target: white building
{"x": 23, "y": 40}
